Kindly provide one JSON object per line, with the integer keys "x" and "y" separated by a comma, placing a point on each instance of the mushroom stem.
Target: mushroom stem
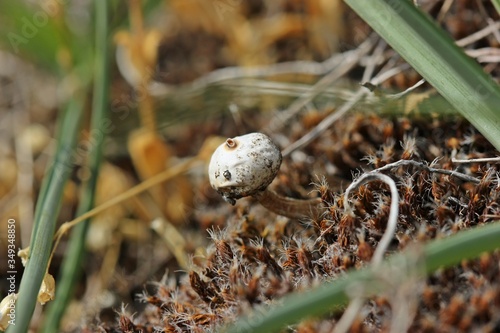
{"x": 289, "y": 207}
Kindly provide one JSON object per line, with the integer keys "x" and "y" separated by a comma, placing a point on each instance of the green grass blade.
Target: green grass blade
{"x": 435, "y": 56}
{"x": 46, "y": 216}
{"x": 333, "y": 295}
{"x": 496, "y": 3}
{"x": 31, "y": 32}
{"x": 70, "y": 270}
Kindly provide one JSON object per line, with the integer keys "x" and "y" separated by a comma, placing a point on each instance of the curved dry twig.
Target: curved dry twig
{"x": 477, "y": 160}
{"x": 355, "y": 305}
{"x": 426, "y": 167}
{"x": 393, "y": 214}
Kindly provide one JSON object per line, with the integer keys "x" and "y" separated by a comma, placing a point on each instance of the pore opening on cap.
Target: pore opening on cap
{"x": 231, "y": 143}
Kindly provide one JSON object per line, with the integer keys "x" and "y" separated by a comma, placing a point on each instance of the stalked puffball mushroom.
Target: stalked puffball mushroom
{"x": 245, "y": 166}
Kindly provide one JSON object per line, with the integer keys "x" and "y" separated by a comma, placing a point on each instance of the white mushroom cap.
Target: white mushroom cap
{"x": 244, "y": 165}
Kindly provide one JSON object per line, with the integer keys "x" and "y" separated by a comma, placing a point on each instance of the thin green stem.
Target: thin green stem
{"x": 75, "y": 253}
{"x": 45, "y": 218}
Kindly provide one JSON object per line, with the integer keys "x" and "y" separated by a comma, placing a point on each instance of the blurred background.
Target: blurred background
{"x": 180, "y": 71}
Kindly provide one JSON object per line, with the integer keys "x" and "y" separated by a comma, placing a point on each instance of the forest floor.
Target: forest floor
{"x": 180, "y": 258}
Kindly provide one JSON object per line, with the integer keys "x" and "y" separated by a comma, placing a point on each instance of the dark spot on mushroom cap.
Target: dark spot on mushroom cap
{"x": 268, "y": 162}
